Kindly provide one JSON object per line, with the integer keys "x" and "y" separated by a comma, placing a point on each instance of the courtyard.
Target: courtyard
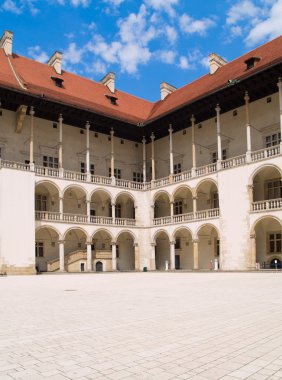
{"x": 141, "y": 326}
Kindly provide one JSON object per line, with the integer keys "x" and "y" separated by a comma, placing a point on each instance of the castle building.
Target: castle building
{"x": 95, "y": 179}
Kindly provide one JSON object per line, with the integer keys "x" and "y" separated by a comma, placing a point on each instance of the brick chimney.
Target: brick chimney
{"x": 109, "y": 81}
{"x": 215, "y": 62}
{"x": 166, "y": 89}
{"x": 56, "y": 62}
{"x": 6, "y": 42}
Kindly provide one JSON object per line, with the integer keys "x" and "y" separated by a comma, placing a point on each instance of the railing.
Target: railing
{"x": 129, "y": 184}
{"x": 182, "y": 176}
{"x": 74, "y": 218}
{"x": 15, "y": 165}
{"x": 101, "y": 220}
{"x": 75, "y": 176}
{"x": 206, "y": 169}
{"x": 50, "y": 172}
{"x": 271, "y": 204}
{"x": 198, "y": 215}
{"x": 125, "y": 222}
{"x": 100, "y": 180}
{"x": 161, "y": 182}
{"x": 47, "y": 215}
{"x": 265, "y": 153}
{"x": 235, "y": 161}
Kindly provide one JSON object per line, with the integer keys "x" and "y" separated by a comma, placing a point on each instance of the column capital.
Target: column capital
{"x": 153, "y": 244}
{"x": 60, "y": 118}
{"x": 252, "y": 236}
{"x": 31, "y": 112}
{"x": 113, "y": 204}
{"x": 193, "y": 119}
{"x": 246, "y": 97}
{"x": 172, "y": 242}
{"x": 135, "y": 244}
{"x": 113, "y": 243}
{"x": 170, "y": 129}
{"x": 88, "y": 242}
{"x": 143, "y": 140}
{"x": 112, "y": 132}
{"x": 217, "y": 108}
{"x": 87, "y": 125}
{"x": 152, "y": 136}
{"x": 61, "y": 241}
{"x": 195, "y": 241}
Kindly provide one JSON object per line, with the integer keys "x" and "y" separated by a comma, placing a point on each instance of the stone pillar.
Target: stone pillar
{"x": 61, "y": 207}
{"x": 251, "y": 196}
{"x": 194, "y": 164}
{"x": 253, "y": 256}
{"x": 279, "y": 84}
{"x": 87, "y": 127}
{"x": 170, "y": 130}
{"x": 248, "y": 127}
{"x": 60, "y": 142}
{"x": 153, "y": 257}
{"x": 31, "y": 143}
{"x": 144, "y": 158}
{"x": 62, "y": 255}
{"x": 153, "y": 157}
{"x": 114, "y": 256}
{"x": 112, "y": 157}
{"x": 218, "y": 132}
{"x": 194, "y": 197}
{"x": 171, "y": 209}
{"x": 88, "y": 208}
{"x": 89, "y": 256}
{"x": 152, "y": 212}
{"x": 196, "y": 254}
{"x": 137, "y": 256}
{"x": 172, "y": 255}
{"x": 113, "y": 212}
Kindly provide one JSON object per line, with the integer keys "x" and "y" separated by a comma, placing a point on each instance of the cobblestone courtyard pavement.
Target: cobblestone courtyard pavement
{"x": 141, "y": 326}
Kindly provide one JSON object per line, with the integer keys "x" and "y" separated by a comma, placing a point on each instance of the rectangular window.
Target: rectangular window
{"x": 137, "y": 177}
{"x": 177, "y": 243}
{"x": 274, "y": 189}
{"x": 178, "y": 208}
{"x": 274, "y": 242}
{"x": 118, "y": 211}
{"x": 50, "y": 162}
{"x": 117, "y": 173}
{"x": 39, "y": 249}
{"x": 214, "y": 156}
{"x": 177, "y": 168}
{"x": 272, "y": 140}
{"x": 214, "y": 200}
{"x": 83, "y": 168}
{"x": 40, "y": 202}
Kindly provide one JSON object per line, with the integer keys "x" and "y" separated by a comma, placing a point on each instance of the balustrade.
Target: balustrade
{"x": 271, "y": 204}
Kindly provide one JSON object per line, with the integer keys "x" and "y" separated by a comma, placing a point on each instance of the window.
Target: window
{"x": 83, "y": 168}
{"x": 117, "y": 252}
{"x": 40, "y": 202}
{"x": 217, "y": 247}
{"x": 235, "y": 113}
{"x": 117, "y": 173}
{"x": 58, "y": 81}
{"x": 214, "y": 156}
{"x": 0, "y": 152}
{"x": 272, "y": 140}
{"x": 118, "y": 211}
{"x": 55, "y": 125}
{"x": 50, "y": 162}
{"x": 39, "y": 249}
{"x": 176, "y": 168}
{"x": 137, "y": 177}
{"x": 178, "y": 208}
{"x": 274, "y": 242}
{"x": 177, "y": 243}
{"x": 214, "y": 200}
{"x": 274, "y": 189}
{"x": 268, "y": 99}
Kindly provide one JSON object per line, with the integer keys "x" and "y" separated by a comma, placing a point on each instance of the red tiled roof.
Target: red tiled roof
{"x": 88, "y": 94}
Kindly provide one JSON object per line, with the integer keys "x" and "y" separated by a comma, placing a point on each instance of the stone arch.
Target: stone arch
{"x": 207, "y": 194}
{"x": 182, "y": 228}
{"x": 101, "y": 203}
{"x": 48, "y": 182}
{"x": 159, "y": 232}
{"x": 130, "y": 233}
{"x": 127, "y": 194}
{"x": 105, "y": 231}
{"x": 51, "y": 228}
{"x": 102, "y": 190}
{"x": 162, "y": 249}
{"x": 74, "y": 200}
{"x": 160, "y": 192}
{"x": 208, "y": 238}
{"x": 266, "y": 183}
{"x": 182, "y": 200}
{"x": 76, "y": 228}
{"x": 47, "y": 195}
{"x": 183, "y": 239}
{"x": 162, "y": 201}
{"x": 261, "y": 167}
{"x": 206, "y": 225}
{"x": 46, "y": 247}
{"x": 127, "y": 251}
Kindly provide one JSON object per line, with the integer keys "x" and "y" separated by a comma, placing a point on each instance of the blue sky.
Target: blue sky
{"x": 144, "y": 42}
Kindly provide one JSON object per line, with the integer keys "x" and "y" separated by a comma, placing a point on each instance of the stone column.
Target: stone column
{"x": 153, "y": 157}
{"x": 171, "y": 209}
{"x": 61, "y": 143}
{"x": 170, "y": 130}
{"x": 114, "y": 256}
{"x": 61, "y": 207}
{"x": 31, "y": 143}
{"x": 62, "y": 255}
{"x": 87, "y": 127}
{"x": 88, "y": 208}
{"x": 279, "y": 84}
{"x": 153, "y": 257}
{"x": 113, "y": 212}
{"x": 144, "y": 159}
{"x": 251, "y": 196}
{"x": 253, "y": 256}
{"x": 194, "y": 164}
{"x": 248, "y": 127}
{"x": 152, "y": 212}
{"x": 196, "y": 254}
{"x": 89, "y": 256}
{"x": 136, "y": 255}
{"x": 194, "y": 197}
{"x": 172, "y": 255}
{"x": 218, "y": 132}
{"x": 112, "y": 158}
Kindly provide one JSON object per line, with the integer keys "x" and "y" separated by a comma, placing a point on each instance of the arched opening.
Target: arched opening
{"x": 161, "y": 205}
{"x": 125, "y": 207}
{"x": 209, "y": 247}
{"x": 207, "y": 196}
{"x": 183, "y": 249}
{"x": 99, "y": 266}
{"x": 46, "y": 249}
{"x": 101, "y": 204}
{"x": 125, "y": 251}
{"x": 267, "y": 184}
{"x": 75, "y": 250}
{"x": 46, "y": 197}
{"x": 268, "y": 233}
{"x": 75, "y": 201}
{"x": 102, "y": 250}
{"x": 162, "y": 251}
{"x": 182, "y": 201}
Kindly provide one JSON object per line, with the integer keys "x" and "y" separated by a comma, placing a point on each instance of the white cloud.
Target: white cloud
{"x": 11, "y": 6}
{"x": 74, "y": 3}
{"x": 241, "y": 11}
{"x": 115, "y": 3}
{"x": 162, "y": 5}
{"x": 269, "y": 28}
{"x": 171, "y": 33}
{"x": 166, "y": 56}
{"x": 38, "y": 54}
{"x": 73, "y": 54}
{"x": 190, "y": 25}
{"x": 183, "y": 63}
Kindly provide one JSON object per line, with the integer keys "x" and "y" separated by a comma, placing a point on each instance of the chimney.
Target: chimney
{"x": 56, "y": 62}
{"x": 109, "y": 81}
{"x": 166, "y": 89}
{"x": 6, "y": 42}
{"x": 215, "y": 62}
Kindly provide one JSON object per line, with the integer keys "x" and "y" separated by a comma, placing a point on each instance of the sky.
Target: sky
{"x": 144, "y": 42}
